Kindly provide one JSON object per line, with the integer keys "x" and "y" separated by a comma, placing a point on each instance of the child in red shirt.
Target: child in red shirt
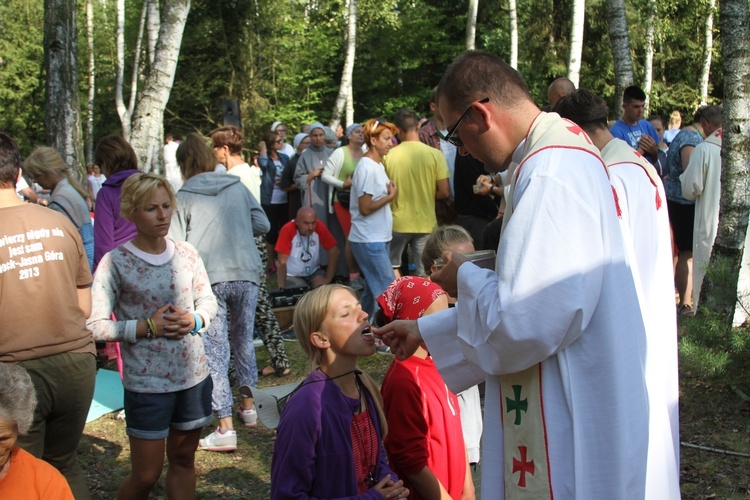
{"x": 425, "y": 441}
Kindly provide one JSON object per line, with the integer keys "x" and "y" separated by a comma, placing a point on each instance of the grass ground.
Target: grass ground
{"x": 714, "y": 412}
{"x": 245, "y": 474}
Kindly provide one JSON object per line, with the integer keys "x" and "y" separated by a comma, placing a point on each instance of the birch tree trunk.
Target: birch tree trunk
{"x": 350, "y": 105}
{"x": 618, "y": 35}
{"x": 471, "y": 25}
{"x": 148, "y": 115}
{"x": 62, "y": 120}
{"x": 513, "y": 34}
{"x": 92, "y": 82}
{"x": 649, "y": 63}
{"x": 707, "y": 51}
{"x": 346, "y": 76}
{"x": 126, "y": 113}
{"x": 734, "y": 207}
{"x": 152, "y": 28}
{"x": 122, "y": 111}
{"x": 576, "y": 41}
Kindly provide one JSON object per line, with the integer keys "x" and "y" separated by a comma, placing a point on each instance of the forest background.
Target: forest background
{"x": 284, "y": 59}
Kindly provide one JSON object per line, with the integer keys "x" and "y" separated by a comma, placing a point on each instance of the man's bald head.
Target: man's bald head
{"x": 306, "y": 221}
{"x": 559, "y": 88}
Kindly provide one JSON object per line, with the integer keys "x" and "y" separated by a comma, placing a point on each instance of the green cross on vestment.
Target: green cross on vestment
{"x": 517, "y": 404}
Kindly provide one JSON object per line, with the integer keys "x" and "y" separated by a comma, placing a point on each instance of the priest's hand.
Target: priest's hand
{"x": 447, "y": 276}
{"x": 401, "y": 336}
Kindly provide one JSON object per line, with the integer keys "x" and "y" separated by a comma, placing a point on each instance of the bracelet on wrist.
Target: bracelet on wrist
{"x": 198, "y": 324}
{"x": 150, "y": 328}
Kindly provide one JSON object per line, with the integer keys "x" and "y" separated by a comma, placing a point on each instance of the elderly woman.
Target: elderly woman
{"x": 338, "y": 174}
{"x": 21, "y": 474}
{"x": 307, "y": 174}
{"x": 372, "y": 222}
{"x": 68, "y": 197}
{"x": 215, "y": 208}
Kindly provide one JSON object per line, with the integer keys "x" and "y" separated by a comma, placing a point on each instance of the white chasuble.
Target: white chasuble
{"x": 645, "y": 225}
{"x": 561, "y": 319}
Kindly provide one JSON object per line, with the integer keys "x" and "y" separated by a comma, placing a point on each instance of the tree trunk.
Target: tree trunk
{"x": 513, "y": 34}
{"x": 346, "y": 76}
{"x": 350, "y": 105}
{"x": 707, "y": 51}
{"x": 122, "y": 111}
{"x": 152, "y": 29}
{"x": 618, "y": 34}
{"x": 148, "y": 115}
{"x": 649, "y": 63}
{"x": 62, "y": 120}
{"x": 92, "y": 82}
{"x": 126, "y": 113}
{"x": 576, "y": 41}
{"x": 471, "y": 25}
{"x": 735, "y": 167}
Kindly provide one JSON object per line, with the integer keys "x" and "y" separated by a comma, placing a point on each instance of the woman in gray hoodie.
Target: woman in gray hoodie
{"x": 218, "y": 216}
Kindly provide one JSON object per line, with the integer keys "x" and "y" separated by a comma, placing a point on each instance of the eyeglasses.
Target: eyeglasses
{"x": 453, "y": 139}
{"x": 216, "y": 146}
{"x": 280, "y": 141}
{"x": 281, "y": 131}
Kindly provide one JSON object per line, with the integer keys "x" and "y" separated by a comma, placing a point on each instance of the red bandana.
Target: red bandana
{"x": 408, "y": 298}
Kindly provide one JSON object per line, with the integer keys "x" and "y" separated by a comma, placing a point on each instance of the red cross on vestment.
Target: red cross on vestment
{"x": 523, "y": 467}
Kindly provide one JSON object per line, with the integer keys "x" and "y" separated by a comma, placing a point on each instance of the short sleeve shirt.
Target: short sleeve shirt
{"x": 370, "y": 178}
{"x": 42, "y": 263}
{"x": 672, "y": 184}
{"x": 303, "y": 251}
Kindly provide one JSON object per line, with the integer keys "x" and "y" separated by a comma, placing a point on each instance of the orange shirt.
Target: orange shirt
{"x": 32, "y": 478}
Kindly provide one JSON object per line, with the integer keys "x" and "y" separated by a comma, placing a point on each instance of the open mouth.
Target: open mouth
{"x": 367, "y": 332}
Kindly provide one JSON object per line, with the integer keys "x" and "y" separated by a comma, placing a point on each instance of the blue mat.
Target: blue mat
{"x": 108, "y": 395}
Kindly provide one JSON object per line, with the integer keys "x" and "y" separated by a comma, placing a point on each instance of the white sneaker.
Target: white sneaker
{"x": 248, "y": 416}
{"x": 226, "y": 441}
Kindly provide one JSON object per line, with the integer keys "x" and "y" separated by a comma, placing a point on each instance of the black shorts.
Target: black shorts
{"x": 681, "y": 217}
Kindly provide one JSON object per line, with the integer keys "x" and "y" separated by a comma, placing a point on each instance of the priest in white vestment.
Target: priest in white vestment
{"x": 557, "y": 333}
{"x": 645, "y": 225}
{"x": 701, "y": 181}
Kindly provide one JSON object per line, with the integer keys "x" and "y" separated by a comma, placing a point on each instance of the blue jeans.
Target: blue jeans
{"x": 240, "y": 297}
{"x": 374, "y": 263}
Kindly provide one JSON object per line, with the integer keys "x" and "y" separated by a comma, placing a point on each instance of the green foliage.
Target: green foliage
{"x": 709, "y": 345}
{"x": 21, "y": 72}
{"x": 283, "y": 58}
{"x": 708, "y": 350}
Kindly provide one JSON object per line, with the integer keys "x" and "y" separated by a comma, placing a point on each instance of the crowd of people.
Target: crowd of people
{"x": 572, "y": 337}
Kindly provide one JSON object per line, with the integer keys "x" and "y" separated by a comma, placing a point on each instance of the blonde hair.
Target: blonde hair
{"x": 138, "y": 189}
{"x": 440, "y": 240}
{"x": 374, "y": 127}
{"x": 195, "y": 157}
{"x": 45, "y": 160}
{"x": 309, "y": 314}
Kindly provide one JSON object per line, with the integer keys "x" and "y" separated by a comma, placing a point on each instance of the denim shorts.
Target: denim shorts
{"x": 150, "y": 415}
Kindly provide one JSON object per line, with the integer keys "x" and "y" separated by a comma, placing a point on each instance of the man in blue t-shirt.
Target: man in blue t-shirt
{"x": 633, "y": 129}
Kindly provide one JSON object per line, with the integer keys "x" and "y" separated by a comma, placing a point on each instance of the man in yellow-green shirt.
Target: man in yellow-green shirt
{"x": 422, "y": 176}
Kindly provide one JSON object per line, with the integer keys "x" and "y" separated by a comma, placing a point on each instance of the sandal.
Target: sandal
{"x": 269, "y": 370}
{"x": 686, "y": 310}
{"x": 266, "y": 372}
